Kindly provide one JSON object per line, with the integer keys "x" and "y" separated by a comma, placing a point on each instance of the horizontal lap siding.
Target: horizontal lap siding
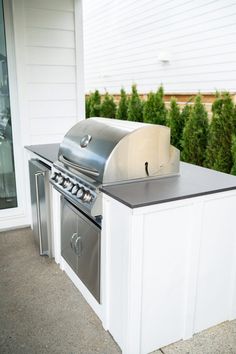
{"x": 50, "y": 68}
{"x": 123, "y": 41}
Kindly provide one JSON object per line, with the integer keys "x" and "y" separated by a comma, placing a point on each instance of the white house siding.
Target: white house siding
{"x": 124, "y": 41}
{"x": 46, "y": 56}
{"x": 45, "y": 62}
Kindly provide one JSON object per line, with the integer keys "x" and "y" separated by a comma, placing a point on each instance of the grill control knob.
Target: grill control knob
{"x": 87, "y": 197}
{"x": 68, "y": 186}
{"x": 54, "y": 176}
{"x": 80, "y": 193}
{"x": 60, "y": 180}
{"x": 66, "y": 182}
{"x": 75, "y": 189}
{"x": 58, "y": 175}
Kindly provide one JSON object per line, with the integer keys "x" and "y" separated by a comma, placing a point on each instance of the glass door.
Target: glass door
{"x": 8, "y": 198}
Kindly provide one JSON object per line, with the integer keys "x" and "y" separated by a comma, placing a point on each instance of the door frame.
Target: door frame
{"x": 19, "y": 216}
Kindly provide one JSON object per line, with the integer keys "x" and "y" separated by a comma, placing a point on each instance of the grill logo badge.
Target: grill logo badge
{"x": 85, "y": 140}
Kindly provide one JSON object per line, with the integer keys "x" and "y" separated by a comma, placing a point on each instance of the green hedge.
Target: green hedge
{"x": 211, "y": 145}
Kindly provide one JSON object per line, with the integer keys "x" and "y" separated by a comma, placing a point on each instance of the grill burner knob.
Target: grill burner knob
{"x": 60, "y": 180}
{"x": 54, "y": 176}
{"x": 80, "y": 193}
{"x": 68, "y": 185}
{"x": 75, "y": 189}
{"x": 87, "y": 197}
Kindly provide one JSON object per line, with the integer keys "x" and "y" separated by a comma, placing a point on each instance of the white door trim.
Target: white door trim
{"x": 19, "y": 216}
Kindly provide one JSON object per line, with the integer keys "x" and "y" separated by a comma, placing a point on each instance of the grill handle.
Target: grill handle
{"x": 79, "y": 168}
{"x": 37, "y": 174}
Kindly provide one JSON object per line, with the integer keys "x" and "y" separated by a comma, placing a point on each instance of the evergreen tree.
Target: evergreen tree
{"x": 149, "y": 108}
{"x": 155, "y": 111}
{"x": 122, "y": 110}
{"x": 135, "y": 107}
{"x": 87, "y": 106}
{"x": 108, "y": 107}
{"x": 195, "y": 134}
{"x": 160, "y": 92}
{"x": 234, "y": 120}
{"x": 161, "y": 111}
{"x": 217, "y": 104}
{"x": 95, "y": 104}
{"x": 233, "y": 150}
{"x": 176, "y": 123}
{"x": 218, "y": 153}
{"x": 185, "y": 114}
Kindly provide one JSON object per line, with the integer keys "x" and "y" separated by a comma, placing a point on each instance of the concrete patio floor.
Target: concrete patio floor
{"x": 42, "y": 312}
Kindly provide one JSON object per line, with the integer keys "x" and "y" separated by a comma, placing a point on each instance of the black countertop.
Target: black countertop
{"x": 48, "y": 151}
{"x": 193, "y": 181}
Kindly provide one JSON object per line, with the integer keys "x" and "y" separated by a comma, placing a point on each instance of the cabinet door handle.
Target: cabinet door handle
{"x": 72, "y": 240}
{"x": 78, "y": 246}
{"x": 38, "y": 210}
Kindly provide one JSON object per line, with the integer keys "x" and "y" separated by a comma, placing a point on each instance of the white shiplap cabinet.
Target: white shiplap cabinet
{"x": 167, "y": 270}
{"x": 170, "y": 270}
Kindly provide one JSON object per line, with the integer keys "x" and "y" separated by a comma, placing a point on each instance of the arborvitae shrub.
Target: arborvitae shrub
{"x": 95, "y": 104}
{"x": 233, "y": 150}
{"x": 185, "y": 114}
{"x": 154, "y": 110}
{"x": 122, "y": 110}
{"x": 161, "y": 111}
{"x": 108, "y": 107}
{"x": 218, "y": 153}
{"x": 217, "y": 104}
{"x": 234, "y": 120}
{"x": 176, "y": 123}
{"x": 135, "y": 107}
{"x": 87, "y": 106}
{"x": 149, "y": 109}
{"x": 195, "y": 134}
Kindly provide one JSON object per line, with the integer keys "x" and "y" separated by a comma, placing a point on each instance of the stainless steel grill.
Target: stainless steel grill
{"x": 100, "y": 151}
{"x": 95, "y": 152}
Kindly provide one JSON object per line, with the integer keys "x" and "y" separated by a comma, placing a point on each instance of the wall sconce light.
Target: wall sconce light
{"x": 164, "y": 56}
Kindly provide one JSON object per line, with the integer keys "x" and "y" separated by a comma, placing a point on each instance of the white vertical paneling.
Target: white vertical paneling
{"x": 170, "y": 234}
{"x": 216, "y": 273}
{"x": 123, "y": 42}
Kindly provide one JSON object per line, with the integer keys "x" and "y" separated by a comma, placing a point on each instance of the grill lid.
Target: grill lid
{"x": 109, "y": 150}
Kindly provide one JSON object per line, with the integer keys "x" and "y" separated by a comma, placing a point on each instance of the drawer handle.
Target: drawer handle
{"x": 78, "y": 247}
{"x": 72, "y": 240}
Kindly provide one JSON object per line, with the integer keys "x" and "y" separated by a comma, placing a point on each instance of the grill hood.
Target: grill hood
{"x": 111, "y": 151}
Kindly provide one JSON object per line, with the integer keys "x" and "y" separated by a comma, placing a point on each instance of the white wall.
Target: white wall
{"x": 46, "y": 63}
{"x": 123, "y": 41}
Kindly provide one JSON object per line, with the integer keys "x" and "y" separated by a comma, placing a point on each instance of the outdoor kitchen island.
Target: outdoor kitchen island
{"x": 168, "y": 257}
